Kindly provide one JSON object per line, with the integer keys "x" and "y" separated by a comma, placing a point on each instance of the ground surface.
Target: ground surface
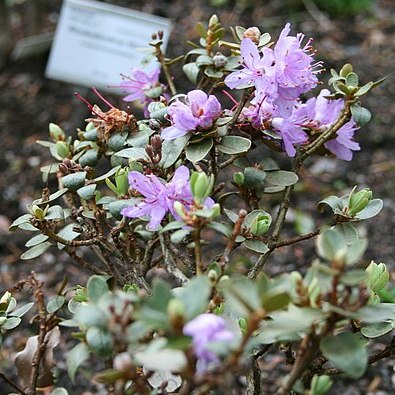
{"x": 28, "y": 102}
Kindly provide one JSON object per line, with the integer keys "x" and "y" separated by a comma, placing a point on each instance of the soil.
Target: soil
{"x": 28, "y": 102}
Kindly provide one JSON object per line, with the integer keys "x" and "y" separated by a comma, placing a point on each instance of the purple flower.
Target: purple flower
{"x": 199, "y": 112}
{"x": 205, "y": 329}
{"x": 257, "y": 70}
{"x": 265, "y": 115}
{"x": 295, "y": 72}
{"x": 321, "y": 114}
{"x": 140, "y": 85}
{"x": 159, "y": 197}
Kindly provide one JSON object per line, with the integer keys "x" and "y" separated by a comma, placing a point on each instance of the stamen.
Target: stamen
{"x": 89, "y": 105}
{"x": 234, "y": 101}
{"x": 100, "y": 96}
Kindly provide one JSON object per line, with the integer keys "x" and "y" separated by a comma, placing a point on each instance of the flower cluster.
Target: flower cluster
{"x": 320, "y": 114}
{"x": 279, "y": 75}
{"x": 199, "y": 112}
{"x": 159, "y": 197}
{"x": 205, "y": 329}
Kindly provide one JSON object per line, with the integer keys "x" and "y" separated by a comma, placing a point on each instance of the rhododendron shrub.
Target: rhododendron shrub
{"x": 191, "y": 205}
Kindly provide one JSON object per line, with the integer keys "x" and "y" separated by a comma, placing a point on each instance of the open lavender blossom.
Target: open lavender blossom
{"x": 141, "y": 85}
{"x": 205, "y": 329}
{"x": 199, "y": 112}
{"x": 159, "y": 197}
{"x": 320, "y": 114}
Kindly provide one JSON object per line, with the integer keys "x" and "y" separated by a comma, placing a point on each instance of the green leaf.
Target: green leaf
{"x": 352, "y": 79}
{"x": 203, "y": 60}
{"x": 133, "y": 153}
{"x": 23, "y": 219}
{"x": 347, "y": 352}
{"x": 330, "y": 244}
{"x": 172, "y": 226}
{"x": 290, "y": 325}
{"x": 232, "y": 145}
{"x": 253, "y": 177}
{"x": 212, "y": 73}
{"x": 51, "y": 198}
{"x": 21, "y": 311}
{"x": 11, "y": 323}
{"x": 75, "y": 357}
{"x": 74, "y": 181}
{"x": 197, "y": 152}
{"x": 191, "y": 70}
{"x": 56, "y": 304}
{"x": 320, "y": 385}
{"x": 110, "y": 173}
{"x": 241, "y": 294}
{"x": 195, "y": 296}
{"x": 68, "y": 233}
{"x": 333, "y": 202}
{"x": 372, "y": 209}
{"x": 275, "y": 300}
{"x": 97, "y": 287}
{"x": 87, "y": 192}
{"x": 90, "y": 315}
{"x": 376, "y": 330}
{"x": 221, "y": 227}
{"x": 281, "y": 177}
{"x": 36, "y": 240}
{"x": 162, "y": 359}
{"x": 171, "y": 150}
{"x": 59, "y": 391}
{"x": 99, "y": 341}
{"x": 36, "y": 251}
{"x": 179, "y": 235}
{"x": 55, "y": 213}
{"x": 360, "y": 114}
{"x": 256, "y": 245}
{"x": 364, "y": 89}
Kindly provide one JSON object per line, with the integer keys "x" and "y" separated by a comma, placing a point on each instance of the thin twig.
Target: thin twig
{"x": 12, "y": 384}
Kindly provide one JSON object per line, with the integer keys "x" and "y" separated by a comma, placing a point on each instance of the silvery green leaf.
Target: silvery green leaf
{"x": 36, "y": 251}
{"x": 256, "y": 245}
{"x": 198, "y": 151}
{"x": 171, "y": 150}
{"x": 232, "y": 145}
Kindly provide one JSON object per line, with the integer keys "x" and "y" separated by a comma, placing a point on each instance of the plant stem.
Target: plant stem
{"x": 198, "y": 250}
{"x": 12, "y": 384}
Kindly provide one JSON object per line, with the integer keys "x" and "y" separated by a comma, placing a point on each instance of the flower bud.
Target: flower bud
{"x": 154, "y": 124}
{"x": 212, "y": 275}
{"x": 2, "y": 320}
{"x": 219, "y": 60}
{"x": 156, "y": 141}
{"x": 215, "y": 211}
{"x": 358, "y": 201}
{"x": 378, "y": 276}
{"x": 260, "y": 225}
{"x": 253, "y": 33}
{"x": 201, "y": 186}
{"x": 243, "y": 325}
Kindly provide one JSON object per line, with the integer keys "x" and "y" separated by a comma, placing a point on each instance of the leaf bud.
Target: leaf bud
{"x": 243, "y": 325}
{"x": 260, "y": 225}
{"x": 5, "y": 300}
{"x": 38, "y": 212}
{"x": 123, "y": 362}
{"x": 358, "y": 201}
{"x": 213, "y": 21}
{"x": 56, "y": 132}
{"x": 253, "y": 33}
{"x": 180, "y": 209}
{"x": 219, "y": 60}
{"x": 378, "y": 276}
{"x": 320, "y": 384}
{"x": 212, "y": 275}
{"x": 175, "y": 312}
{"x": 3, "y": 320}
{"x": 121, "y": 181}
{"x": 238, "y": 178}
